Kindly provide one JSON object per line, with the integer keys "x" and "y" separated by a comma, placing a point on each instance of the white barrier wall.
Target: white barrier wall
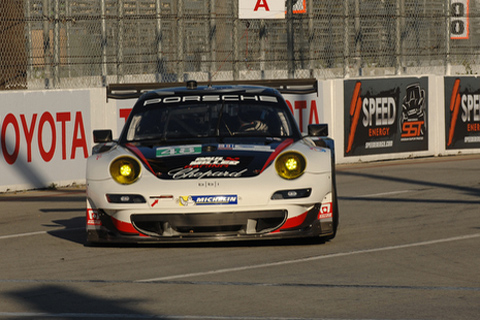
{"x": 438, "y": 111}
{"x": 47, "y": 135}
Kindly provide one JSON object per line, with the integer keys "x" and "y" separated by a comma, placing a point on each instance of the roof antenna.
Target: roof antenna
{"x": 191, "y": 84}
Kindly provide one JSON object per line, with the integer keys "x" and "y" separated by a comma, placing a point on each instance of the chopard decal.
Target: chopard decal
{"x": 195, "y": 173}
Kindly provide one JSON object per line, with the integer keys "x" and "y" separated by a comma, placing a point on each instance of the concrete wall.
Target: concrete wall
{"x": 46, "y": 135}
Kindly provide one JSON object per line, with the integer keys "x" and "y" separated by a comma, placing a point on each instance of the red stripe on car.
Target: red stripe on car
{"x": 140, "y": 155}
{"x": 277, "y": 151}
{"x": 293, "y": 222}
{"x": 124, "y": 227}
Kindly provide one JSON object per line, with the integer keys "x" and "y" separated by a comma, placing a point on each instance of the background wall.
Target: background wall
{"x": 46, "y": 135}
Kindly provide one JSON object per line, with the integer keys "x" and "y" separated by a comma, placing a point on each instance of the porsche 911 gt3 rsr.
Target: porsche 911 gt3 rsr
{"x": 208, "y": 163}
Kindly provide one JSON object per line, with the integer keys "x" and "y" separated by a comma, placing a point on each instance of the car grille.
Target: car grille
{"x": 208, "y": 224}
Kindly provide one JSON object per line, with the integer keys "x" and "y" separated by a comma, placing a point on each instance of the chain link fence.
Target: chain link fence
{"x": 91, "y": 43}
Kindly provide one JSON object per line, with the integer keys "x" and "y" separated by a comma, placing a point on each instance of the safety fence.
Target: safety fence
{"x": 47, "y": 44}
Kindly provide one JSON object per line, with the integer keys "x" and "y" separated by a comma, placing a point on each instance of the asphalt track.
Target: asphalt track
{"x": 407, "y": 248}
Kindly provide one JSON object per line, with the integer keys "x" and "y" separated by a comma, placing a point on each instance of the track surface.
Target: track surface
{"x": 407, "y": 248}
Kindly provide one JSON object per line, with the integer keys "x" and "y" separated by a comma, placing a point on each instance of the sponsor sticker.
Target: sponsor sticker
{"x": 213, "y": 162}
{"x": 185, "y": 201}
{"x": 93, "y": 219}
{"x": 155, "y": 200}
{"x": 326, "y": 211}
{"x": 178, "y": 150}
{"x": 245, "y": 147}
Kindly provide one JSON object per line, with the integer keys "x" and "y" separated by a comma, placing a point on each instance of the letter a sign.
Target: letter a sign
{"x": 261, "y": 9}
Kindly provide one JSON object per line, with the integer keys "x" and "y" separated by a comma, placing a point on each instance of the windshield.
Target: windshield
{"x": 218, "y": 119}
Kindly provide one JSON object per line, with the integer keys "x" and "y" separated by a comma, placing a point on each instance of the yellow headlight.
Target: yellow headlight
{"x": 125, "y": 170}
{"x": 290, "y": 165}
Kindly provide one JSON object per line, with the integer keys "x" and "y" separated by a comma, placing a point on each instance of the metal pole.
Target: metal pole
{"x": 68, "y": 22}
{"x": 263, "y": 54}
{"x": 46, "y": 42}
{"x": 290, "y": 41}
{"x": 56, "y": 44}
{"x": 447, "y": 62}
{"x": 358, "y": 37}
{"x": 28, "y": 13}
{"x": 236, "y": 54}
{"x": 212, "y": 38}
{"x": 180, "y": 43}
{"x": 311, "y": 51}
{"x": 104, "y": 42}
{"x": 158, "y": 42}
{"x": 346, "y": 43}
{"x": 121, "y": 35}
{"x": 400, "y": 29}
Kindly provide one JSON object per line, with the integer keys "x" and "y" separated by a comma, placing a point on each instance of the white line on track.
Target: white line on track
{"x": 27, "y": 234}
{"x": 385, "y": 194}
{"x": 315, "y": 258}
{"x": 22, "y": 235}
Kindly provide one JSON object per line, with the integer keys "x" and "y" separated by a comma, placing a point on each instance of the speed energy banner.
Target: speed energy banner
{"x": 385, "y": 116}
{"x": 462, "y": 112}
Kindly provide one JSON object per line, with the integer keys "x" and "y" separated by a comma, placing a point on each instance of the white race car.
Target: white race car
{"x": 211, "y": 163}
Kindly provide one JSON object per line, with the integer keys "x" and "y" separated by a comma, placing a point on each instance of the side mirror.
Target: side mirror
{"x": 318, "y": 130}
{"x": 100, "y": 136}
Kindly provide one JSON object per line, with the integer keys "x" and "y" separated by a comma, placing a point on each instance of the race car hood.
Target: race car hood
{"x": 213, "y": 160}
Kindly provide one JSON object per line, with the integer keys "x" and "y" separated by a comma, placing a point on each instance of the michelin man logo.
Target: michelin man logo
{"x": 186, "y": 201}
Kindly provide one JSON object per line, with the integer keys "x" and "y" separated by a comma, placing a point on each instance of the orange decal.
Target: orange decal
{"x": 355, "y": 107}
{"x": 412, "y": 129}
{"x": 454, "y": 108}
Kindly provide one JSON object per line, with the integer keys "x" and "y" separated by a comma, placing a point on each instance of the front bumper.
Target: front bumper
{"x": 209, "y": 227}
